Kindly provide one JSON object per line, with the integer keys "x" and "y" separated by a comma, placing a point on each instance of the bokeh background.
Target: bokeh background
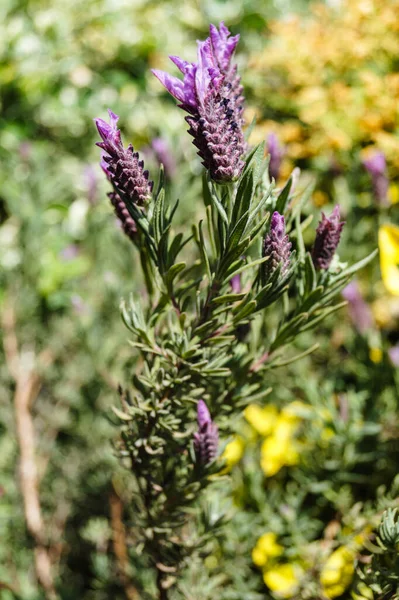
{"x": 310, "y": 471}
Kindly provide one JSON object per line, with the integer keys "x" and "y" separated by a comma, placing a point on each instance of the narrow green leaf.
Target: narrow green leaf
{"x": 312, "y": 299}
{"x": 245, "y": 267}
{"x": 284, "y": 197}
{"x": 247, "y": 310}
{"x": 121, "y": 415}
{"x": 228, "y": 298}
{"x": 173, "y": 272}
{"x": 288, "y": 361}
{"x": 310, "y": 274}
{"x": 318, "y": 318}
{"x": 359, "y": 265}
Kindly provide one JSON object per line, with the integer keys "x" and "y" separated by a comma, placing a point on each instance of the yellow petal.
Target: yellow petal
{"x": 388, "y": 242}
{"x": 338, "y": 572}
{"x": 233, "y": 453}
{"x": 261, "y": 419}
{"x": 268, "y": 544}
{"x": 282, "y": 580}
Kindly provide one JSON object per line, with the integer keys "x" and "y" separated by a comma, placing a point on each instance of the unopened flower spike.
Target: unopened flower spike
{"x": 210, "y": 93}
{"x": 328, "y": 234}
{"x": 376, "y": 166}
{"x": 276, "y": 152}
{"x": 206, "y": 439}
{"x": 122, "y": 166}
{"x": 277, "y": 247}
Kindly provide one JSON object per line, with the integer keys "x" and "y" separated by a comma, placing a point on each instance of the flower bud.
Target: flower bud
{"x": 122, "y": 166}
{"x": 328, "y": 234}
{"x": 276, "y": 152}
{"x": 206, "y": 439}
{"x": 277, "y": 247}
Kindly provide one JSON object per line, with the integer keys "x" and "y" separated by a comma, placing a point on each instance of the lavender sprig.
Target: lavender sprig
{"x": 122, "y": 166}
{"x": 328, "y": 235}
{"x": 276, "y": 152}
{"x": 206, "y": 439}
{"x": 376, "y": 166}
{"x": 277, "y": 247}
{"x": 359, "y": 310}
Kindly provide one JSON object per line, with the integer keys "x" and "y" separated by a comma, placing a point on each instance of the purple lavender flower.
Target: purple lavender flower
{"x": 69, "y": 252}
{"x": 393, "y": 354}
{"x": 211, "y": 93}
{"x": 90, "y": 177}
{"x": 235, "y": 283}
{"x": 376, "y": 166}
{"x": 164, "y": 155}
{"x": 328, "y": 234}
{"x": 276, "y": 152}
{"x": 206, "y": 439}
{"x": 122, "y": 165}
{"x": 277, "y": 247}
{"x": 359, "y": 311}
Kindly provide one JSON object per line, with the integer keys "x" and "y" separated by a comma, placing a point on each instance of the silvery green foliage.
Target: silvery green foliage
{"x": 188, "y": 331}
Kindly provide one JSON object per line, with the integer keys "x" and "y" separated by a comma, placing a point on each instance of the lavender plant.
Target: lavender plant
{"x": 223, "y": 304}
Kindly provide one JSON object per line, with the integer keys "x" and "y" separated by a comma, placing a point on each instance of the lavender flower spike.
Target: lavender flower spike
{"x": 210, "y": 93}
{"x": 276, "y": 152}
{"x": 206, "y": 439}
{"x": 359, "y": 310}
{"x": 122, "y": 165}
{"x": 376, "y": 166}
{"x": 328, "y": 234}
{"x": 277, "y": 247}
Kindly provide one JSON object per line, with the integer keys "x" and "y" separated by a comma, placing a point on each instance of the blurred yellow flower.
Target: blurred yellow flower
{"x": 266, "y": 547}
{"x": 233, "y": 453}
{"x": 375, "y": 354}
{"x": 338, "y": 571}
{"x": 388, "y": 243}
{"x": 261, "y": 419}
{"x": 279, "y": 449}
{"x": 282, "y": 580}
{"x": 393, "y": 193}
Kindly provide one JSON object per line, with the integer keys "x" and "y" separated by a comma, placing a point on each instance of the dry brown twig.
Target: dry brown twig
{"x": 119, "y": 544}
{"x": 23, "y": 367}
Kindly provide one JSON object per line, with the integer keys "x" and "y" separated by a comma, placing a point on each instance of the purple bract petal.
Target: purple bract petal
{"x": 174, "y": 85}
{"x": 223, "y": 47}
